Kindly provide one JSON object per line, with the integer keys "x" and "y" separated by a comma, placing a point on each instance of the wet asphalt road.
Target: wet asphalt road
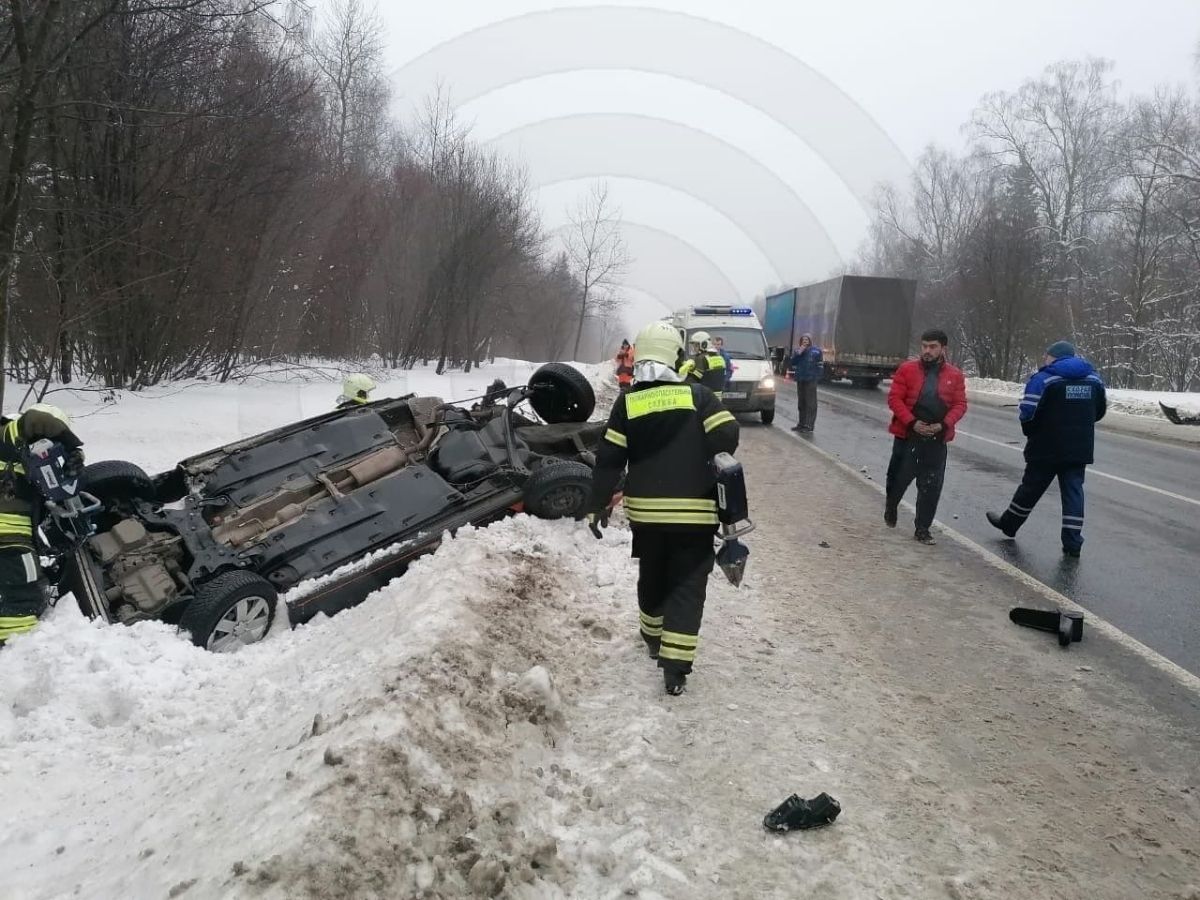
{"x": 1140, "y": 567}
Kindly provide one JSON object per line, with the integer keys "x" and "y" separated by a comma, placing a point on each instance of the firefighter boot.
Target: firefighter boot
{"x": 674, "y": 680}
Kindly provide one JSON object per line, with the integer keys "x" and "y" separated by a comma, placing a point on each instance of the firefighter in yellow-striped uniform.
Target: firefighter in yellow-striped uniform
{"x": 23, "y": 593}
{"x": 667, "y": 431}
{"x": 705, "y": 365}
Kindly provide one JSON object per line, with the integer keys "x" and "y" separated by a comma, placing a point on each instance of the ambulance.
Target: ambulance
{"x": 751, "y": 387}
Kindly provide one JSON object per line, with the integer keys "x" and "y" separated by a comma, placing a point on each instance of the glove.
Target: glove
{"x": 73, "y": 466}
{"x": 597, "y": 521}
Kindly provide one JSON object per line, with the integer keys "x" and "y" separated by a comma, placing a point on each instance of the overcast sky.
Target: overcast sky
{"x": 740, "y": 138}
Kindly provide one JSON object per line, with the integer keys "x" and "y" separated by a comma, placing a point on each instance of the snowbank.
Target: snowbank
{"x": 136, "y": 765}
{"x": 1137, "y": 403}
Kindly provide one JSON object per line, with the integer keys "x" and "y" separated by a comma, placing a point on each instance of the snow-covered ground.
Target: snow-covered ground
{"x": 131, "y": 758}
{"x": 489, "y": 725}
{"x": 1137, "y": 403}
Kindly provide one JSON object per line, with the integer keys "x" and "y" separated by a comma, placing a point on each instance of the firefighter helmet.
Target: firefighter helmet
{"x": 52, "y": 411}
{"x": 659, "y": 342}
{"x": 356, "y": 387}
{"x": 701, "y": 339}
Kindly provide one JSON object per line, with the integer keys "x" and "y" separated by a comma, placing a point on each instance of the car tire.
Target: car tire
{"x": 229, "y": 612}
{"x": 768, "y": 416}
{"x": 116, "y": 481}
{"x": 561, "y": 393}
{"x": 558, "y": 491}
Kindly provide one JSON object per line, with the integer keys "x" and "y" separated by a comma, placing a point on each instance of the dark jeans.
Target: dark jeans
{"x": 924, "y": 460}
{"x": 1038, "y": 477}
{"x": 806, "y": 404}
{"x": 673, "y": 568}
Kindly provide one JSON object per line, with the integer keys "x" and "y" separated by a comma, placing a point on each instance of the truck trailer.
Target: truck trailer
{"x": 862, "y": 324}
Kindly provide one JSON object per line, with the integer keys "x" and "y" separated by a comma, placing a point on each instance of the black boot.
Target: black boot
{"x": 997, "y": 521}
{"x": 922, "y": 536}
{"x": 675, "y": 681}
{"x": 890, "y": 514}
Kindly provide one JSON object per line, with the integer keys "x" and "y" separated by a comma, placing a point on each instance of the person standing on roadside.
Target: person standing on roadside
{"x": 1063, "y": 401}
{"x": 624, "y": 363}
{"x": 807, "y": 366}
{"x": 719, "y": 346}
{"x": 928, "y": 397}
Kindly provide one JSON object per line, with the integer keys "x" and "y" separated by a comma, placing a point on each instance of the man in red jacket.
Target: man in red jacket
{"x": 927, "y": 398}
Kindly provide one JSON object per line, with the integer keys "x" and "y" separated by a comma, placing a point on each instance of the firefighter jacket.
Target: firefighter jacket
{"x": 708, "y": 368}
{"x": 19, "y": 505}
{"x": 667, "y": 434}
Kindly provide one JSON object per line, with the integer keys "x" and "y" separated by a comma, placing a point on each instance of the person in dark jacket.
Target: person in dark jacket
{"x": 927, "y": 399}
{"x": 23, "y": 591}
{"x": 719, "y": 345}
{"x": 807, "y": 366}
{"x": 667, "y": 431}
{"x": 706, "y": 366}
{"x": 1063, "y": 401}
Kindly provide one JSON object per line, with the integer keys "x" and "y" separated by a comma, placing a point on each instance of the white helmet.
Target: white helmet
{"x": 52, "y": 411}
{"x": 701, "y": 338}
{"x": 658, "y": 342}
{"x": 356, "y": 387}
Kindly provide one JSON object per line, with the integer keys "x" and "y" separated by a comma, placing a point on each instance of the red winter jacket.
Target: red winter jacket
{"x": 906, "y": 390}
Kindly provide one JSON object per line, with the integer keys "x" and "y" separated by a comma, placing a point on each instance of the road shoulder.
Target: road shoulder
{"x": 973, "y": 758}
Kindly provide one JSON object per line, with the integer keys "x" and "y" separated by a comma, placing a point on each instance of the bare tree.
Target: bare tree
{"x": 597, "y": 254}
{"x": 348, "y": 53}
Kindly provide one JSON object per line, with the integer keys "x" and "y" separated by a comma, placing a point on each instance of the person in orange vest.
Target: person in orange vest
{"x": 625, "y": 366}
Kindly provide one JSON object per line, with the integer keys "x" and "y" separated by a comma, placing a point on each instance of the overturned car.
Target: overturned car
{"x": 323, "y": 511}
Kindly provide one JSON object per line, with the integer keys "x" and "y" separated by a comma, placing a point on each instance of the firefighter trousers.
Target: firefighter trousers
{"x": 673, "y": 569}
{"x": 23, "y": 595}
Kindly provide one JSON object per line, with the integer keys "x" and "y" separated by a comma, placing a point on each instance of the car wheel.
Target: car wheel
{"x": 561, "y": 393}
{"x": 768, "y": 416}
{"x": 116, "y": 481}
{"x": 229, "y": 612}
{"x": 558, "y": 491}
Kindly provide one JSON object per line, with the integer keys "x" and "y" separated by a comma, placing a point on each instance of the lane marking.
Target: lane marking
{"x": 1092, "y": 470}
{"x": 1185, "y": 679}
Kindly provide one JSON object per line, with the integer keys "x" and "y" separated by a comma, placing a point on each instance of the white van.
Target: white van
{"x": 752, "y": 386}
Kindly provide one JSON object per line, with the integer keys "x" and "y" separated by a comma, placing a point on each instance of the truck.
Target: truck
{"x": 863, "y": 325}
{"x": 751, "y": 388}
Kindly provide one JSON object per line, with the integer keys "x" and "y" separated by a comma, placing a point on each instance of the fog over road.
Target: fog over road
{"x": 1140, "y": 567}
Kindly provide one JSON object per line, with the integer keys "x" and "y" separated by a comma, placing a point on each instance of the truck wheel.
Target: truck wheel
{"x": 560, "y": 393}
{"x": 865, "y": 383}
{"x": 116, "y": 481}
{"x": 768, "y": 416}
{"x": 229, "y": 612}
{"x": 559, "y": 491}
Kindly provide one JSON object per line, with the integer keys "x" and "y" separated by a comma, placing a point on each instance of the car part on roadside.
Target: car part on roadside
{"x": 733, "y": 511}
{"x": 1173, "y": 415}
{"x": 325, "y": 510}
{"x": 798, "y": 814}
{"x": 1067, "y": 625}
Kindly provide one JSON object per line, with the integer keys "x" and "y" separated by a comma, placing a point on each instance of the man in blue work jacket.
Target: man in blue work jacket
{"x": 1063, "y": 401}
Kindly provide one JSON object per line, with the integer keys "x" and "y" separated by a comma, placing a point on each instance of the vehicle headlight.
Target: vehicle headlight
{"x": 767, "y": 384}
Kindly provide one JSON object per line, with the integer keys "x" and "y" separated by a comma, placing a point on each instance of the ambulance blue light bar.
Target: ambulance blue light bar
{"x": 722, "y": 311}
